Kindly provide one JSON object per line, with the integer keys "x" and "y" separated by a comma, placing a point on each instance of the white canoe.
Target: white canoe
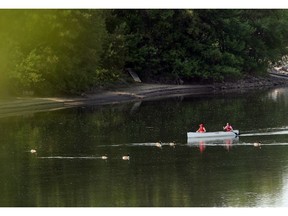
{"x": 217, "y": 134}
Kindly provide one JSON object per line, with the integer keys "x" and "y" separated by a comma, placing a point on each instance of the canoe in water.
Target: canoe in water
{"x": 217, "y": 134}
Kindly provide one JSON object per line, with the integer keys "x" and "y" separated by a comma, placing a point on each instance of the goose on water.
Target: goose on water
{"x": 172, "y": 144}
{"x": 33, "y": 151}
{"x": 158, "y": 144}
{"x": 126, "y": 157}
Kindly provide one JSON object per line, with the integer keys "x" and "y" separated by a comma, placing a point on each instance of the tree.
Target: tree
{"x": 57, "y": 50}
{"x": 267, "y": 43}
{"x": 71, "y": 51}
{"x": 203, "y": 44}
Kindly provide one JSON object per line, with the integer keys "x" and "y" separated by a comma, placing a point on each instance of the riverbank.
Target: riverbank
{"x": 121, "y": 94}
{"x": 249, "y": 82}
{"x": 133, "y": 92}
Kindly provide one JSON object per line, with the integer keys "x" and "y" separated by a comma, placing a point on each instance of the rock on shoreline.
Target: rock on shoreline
{"x": 251, "y": 82}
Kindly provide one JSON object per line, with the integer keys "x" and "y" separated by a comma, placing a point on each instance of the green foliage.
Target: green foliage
{"x": 70, "y": 51}
{"x": 60, "y": 50}
{"x": 203, "y": 44}
{"x": 104, "y": 77}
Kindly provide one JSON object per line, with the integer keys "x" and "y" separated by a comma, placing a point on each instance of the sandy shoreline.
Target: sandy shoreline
{"x": 131, "y": 93}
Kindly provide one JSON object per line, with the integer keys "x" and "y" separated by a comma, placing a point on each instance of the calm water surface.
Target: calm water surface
{"x": 68, "y": 170}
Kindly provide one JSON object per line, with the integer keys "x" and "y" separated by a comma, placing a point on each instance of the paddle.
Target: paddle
{"x": 236, "y": 133}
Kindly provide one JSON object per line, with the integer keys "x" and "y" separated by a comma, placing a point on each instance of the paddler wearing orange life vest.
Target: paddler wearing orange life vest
{"x": 228, "y": 128}
{"x": 201, "y": 129}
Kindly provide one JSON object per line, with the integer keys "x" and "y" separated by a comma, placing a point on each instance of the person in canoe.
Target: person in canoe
{"x": 201, "y": 129}
{"x": 228, "y": 128}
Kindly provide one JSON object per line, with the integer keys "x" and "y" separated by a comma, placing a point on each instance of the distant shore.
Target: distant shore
{"x": 250, "y": 82}
{"x": 133, "y": 92}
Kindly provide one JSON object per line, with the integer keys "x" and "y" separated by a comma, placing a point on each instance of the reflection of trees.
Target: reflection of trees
{"x": 191, "y": 181}
{"x": 178, "y": 176}
{"x": 153, "y": 177}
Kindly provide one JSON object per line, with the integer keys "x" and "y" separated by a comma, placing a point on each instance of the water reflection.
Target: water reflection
{"x": 68, "y": 169}
{"x": 202, "y": 143}
{"x": 277, "y": 94}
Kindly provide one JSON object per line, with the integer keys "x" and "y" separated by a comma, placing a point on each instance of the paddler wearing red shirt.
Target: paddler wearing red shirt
{"x": 228, "y": 128}
{"x": 201, "y": 129}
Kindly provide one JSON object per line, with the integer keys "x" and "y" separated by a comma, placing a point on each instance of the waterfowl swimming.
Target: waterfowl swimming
{"x": 33, "y": 151}
{"x": 126, "y": 157}
{"x": 158, "y": 144}
{"x": 104, "y": 157}
{"x": 172, "y": 144}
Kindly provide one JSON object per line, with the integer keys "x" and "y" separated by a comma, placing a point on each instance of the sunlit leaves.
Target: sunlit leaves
{"x": 60, "y": 50}
{"x": 71, "y": 51}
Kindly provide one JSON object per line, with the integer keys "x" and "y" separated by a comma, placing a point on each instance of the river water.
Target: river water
{"x": 68, "y": 170}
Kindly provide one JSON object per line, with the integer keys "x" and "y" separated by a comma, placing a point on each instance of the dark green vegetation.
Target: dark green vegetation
{"x": 71, "y": 51}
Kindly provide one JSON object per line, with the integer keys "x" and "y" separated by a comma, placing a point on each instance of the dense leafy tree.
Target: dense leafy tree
{"x": 53, "y": 50}
{"x": 203, "y": 44}
{"x": 71, "y": 51}
{"x": 268, "y": 42}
